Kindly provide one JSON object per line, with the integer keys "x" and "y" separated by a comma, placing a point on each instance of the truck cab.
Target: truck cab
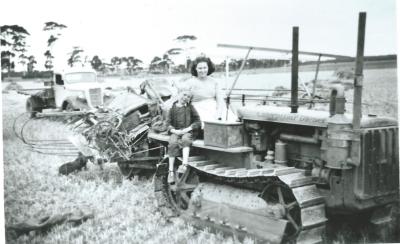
{"x": 71, "y": 90}
{"x": 77, "y": 89}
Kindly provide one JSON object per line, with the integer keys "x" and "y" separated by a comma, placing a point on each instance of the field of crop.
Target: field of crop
{"x": 124, "y": 211}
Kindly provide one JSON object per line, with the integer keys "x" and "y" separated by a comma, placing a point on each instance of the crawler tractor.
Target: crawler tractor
{"x": 280, "y": 173}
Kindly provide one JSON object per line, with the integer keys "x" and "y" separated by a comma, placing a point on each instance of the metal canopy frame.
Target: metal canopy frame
{"x": 287, "y": 51}
{"x": 283, "y": 51}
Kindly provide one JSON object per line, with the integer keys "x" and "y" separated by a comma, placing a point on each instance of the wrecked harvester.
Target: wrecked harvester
{"x": 120, "y": 134}
{"x": 279, "y": 174}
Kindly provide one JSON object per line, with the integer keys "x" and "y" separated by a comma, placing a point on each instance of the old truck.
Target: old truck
{"x": 280, "y": 175}
{"x": 69, "y": 90}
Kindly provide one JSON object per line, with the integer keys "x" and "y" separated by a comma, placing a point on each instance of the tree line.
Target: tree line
{"x": 14, "y": 49}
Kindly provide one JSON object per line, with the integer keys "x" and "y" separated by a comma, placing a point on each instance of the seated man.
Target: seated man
{"x": 183, "y": 123}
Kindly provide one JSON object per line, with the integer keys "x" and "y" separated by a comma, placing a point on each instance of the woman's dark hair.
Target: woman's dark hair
{"x": 211, "y": 67}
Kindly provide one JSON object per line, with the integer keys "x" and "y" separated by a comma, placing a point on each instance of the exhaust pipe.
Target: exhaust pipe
{"x": 337, "y": 100}
{"x": 358, "y": 80}
{"x": 295, "y": 71}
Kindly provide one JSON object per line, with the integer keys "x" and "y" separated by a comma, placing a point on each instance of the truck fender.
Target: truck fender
{"x": 34, "y": 104}
{"x": 70, "y": 103}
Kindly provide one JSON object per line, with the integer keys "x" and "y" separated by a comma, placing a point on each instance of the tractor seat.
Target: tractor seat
{"x": 198, "y": 143}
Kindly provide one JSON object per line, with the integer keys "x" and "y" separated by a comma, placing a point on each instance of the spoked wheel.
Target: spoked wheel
{"x": 279, "y": 193}
{"x": 126, "y": 171}
{"x": 141, "y": 163}
{"x": 179, "y": 193}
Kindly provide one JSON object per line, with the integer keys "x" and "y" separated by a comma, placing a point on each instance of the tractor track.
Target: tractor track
{"x": 301, "y": 204}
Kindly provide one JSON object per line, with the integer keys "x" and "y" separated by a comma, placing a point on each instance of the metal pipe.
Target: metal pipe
{"x": 316, "y": 77}
{"x": 296, "y": 138}
{"x": 234, "y": 82}
{"x": 283, "y": 51}
{"x": 295, "y": 70}
{"x": 303, "y": 139}
{"x": 259, "y": 89}
{"x": 358, "y": 80}
{"x": 227, "y": 61}
{"x": 154, "y": 91}
{"x": 240, "y": 71}
{"x": 337, "y": 100}
{"x": 281, "y": 153}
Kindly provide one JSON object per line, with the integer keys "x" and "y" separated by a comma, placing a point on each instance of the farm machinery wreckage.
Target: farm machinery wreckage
{"x": 277, "y": 175}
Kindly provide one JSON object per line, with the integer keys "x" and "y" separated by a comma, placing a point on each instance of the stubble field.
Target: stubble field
{"x": 124, "y": 211}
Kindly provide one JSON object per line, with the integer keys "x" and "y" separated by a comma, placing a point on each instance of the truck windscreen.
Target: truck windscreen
{"x": 80, "y": 77}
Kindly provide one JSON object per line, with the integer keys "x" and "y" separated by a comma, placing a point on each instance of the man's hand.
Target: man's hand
{"x": 182, "y": 131}
{"x": 186, "y": 130}
{"x": 177, "y": 132}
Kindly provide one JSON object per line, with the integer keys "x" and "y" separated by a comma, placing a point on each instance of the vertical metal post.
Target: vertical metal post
{"x": 316, "y": 76}
{"x": 227, "y": 61}
{"x": 295, "y": 70}
{"x": 358, "y": 80}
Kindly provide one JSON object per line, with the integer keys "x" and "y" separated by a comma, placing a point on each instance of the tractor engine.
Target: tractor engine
{"x": 355, "y": 169}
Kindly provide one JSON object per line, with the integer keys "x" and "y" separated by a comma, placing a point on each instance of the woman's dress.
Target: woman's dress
{"x": 207, "y": 95}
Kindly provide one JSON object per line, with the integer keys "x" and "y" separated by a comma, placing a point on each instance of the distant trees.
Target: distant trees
{"x": 23, "y": 59}
{"x": 6, "y": 63}
{"x": 116, "y": 62}
{"x": 54, "y": 30}
{"x": 154, "y": 63}
{"x": 186, "y": 43}
{"x": 166, "y": 63}
{"x": 160, "y": 65}
{"x": 75, "y": 56}
{"x": 31, "y": 63}
{"x": 235, "y": 64}
{"x": 96, "y": 63}
{"x": 185, "y": 38}
{"x": 13, "y": 41}
{"x": 124, "y": 65}
{"x": 48, "y": 64}
{"x": 175, "y": 51}
{"x": 132, "y": 63}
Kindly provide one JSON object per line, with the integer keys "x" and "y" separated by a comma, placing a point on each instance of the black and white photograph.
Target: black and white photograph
{"x": 208, "y": 121}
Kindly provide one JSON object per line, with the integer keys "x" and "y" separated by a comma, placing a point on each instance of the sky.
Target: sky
{"x": 148, "y": 28}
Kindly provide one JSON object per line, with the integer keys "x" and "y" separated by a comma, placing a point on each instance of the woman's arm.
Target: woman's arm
{"x": 195, "y": 118}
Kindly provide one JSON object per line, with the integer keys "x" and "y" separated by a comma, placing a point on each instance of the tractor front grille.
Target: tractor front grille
{"x": 379, "y": 172}
{"x": 95, "y": 97}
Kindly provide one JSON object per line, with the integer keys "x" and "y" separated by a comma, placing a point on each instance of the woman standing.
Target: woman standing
{"x": 208, "y": 98}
